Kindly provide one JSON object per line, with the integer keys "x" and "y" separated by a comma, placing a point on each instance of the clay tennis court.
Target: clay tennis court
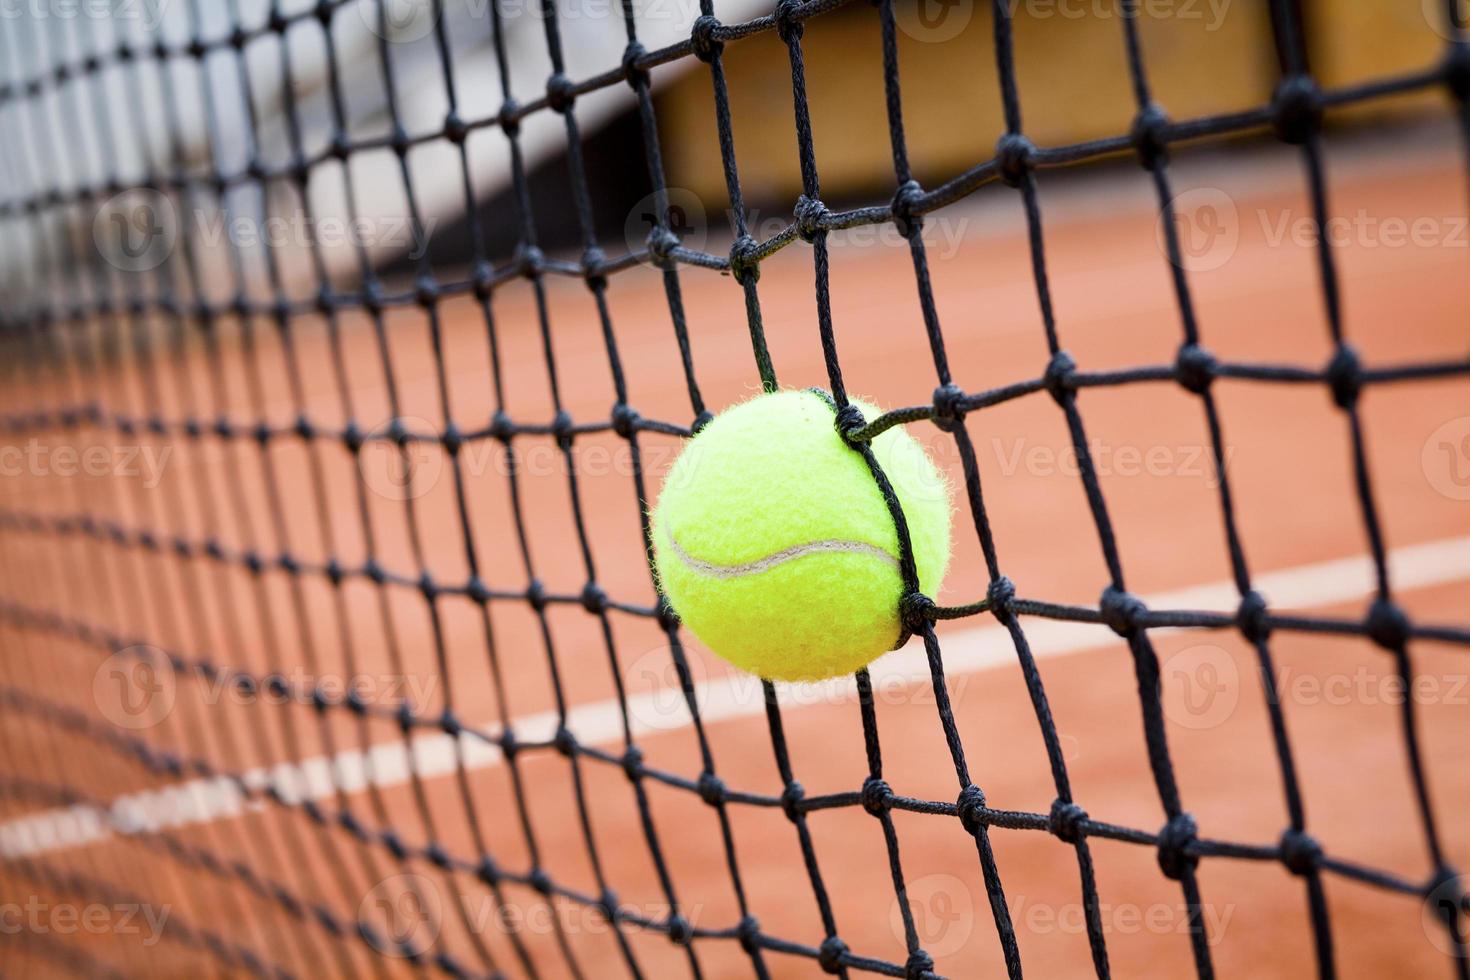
{"x": 283, "y": 556}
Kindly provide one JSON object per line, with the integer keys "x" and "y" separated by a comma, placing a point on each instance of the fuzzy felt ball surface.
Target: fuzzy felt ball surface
{"x": 774, "y": 544}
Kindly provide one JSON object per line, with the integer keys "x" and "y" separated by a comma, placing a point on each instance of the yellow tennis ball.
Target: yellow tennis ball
{"x": 774, "y": 544}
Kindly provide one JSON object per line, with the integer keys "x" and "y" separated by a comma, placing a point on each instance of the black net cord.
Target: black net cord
{"x": 131, "y": 536}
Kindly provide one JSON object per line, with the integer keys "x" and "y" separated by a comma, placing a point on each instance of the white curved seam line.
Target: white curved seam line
{"x": 770, "y": 561}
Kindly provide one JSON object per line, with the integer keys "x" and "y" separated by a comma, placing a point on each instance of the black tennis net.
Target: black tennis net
{"x": 232, "y": 579}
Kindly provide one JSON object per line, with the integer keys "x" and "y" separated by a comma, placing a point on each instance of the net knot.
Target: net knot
{"x": 1345, "y": 376}
{"x": 1300, "y": 852}
{"x": 949, "y": 407}
{"x": 509, "y": 747}
{"x": 668, "y": 620}
{"x": 916, "y": 612}
{"x": 702, "y": 38}
{"x": 1014, "y": 154}
{"x": 488, "y": 871}
{"x": 530, "y": 261}
{"x": 509, "y": 117}
{"x": 456, "y": 130}
{"x": 284, "y": 898}
{"x": 450, "y": 725}
{"x": 593, "y": 598}
{"x": 704, "y": 418}
{"x": 501, "y": 427}
{"x": 1297, "y": 108}
{"x": 1121, "y": 610}
{"x": 477, "y": 591}
{"x": 711, "y": 789}
{"x": 877, "y": 796}
{"x": 971, "y": 809}
{"x": 919, "y": 966}
{"x": 540, "y": 881}
{"x": 452, "y": 438}
{"x": 637, "y": 77}
{"x": 791, "y": 798}
{"x": 1445, "y": 896}
{"x": 906, "y": 201}
{"x": 536, "y": 595}
{"x": 809, "y": 214}
{"x": 624, "y": 420}
{"x": 680, "y": 930}
{"x": 632, "y": 762}
{"x": 398, "y": 139}
{"x": 831, "y": 953}
{"x": 1457, "y": 70}
{"x": 438, "y": 857}
{"x": 789, "y": 26}
{"x": 1177, "y": 835}
{"x": 563, "y": 429}
{"x": 1149, "y": 135}
{"x": 1253, "y": 617}
{"x": 748, "y": 931}
{"x": 849, "y": 419}
{"x": 1058, "y": 377}
{"x": 593, "y": 258}
{"x": 1066, "y": 820}
{"x": 371, "y": 936}
{"x": 561, "y": 92}
{"x": 607, "y": 905}
{"x": 661, "y": 243}
{"x": 368, "y": 935}
{"x": 395, "y": 846}
{"x": 565, "y": 742}
{"x": 348, "y": 821}
{"x": 745, "y": 263}
{"x": 1195, "y": 368}
{"x": 1000, "y": 596}
{"x": 1387, "y": 625}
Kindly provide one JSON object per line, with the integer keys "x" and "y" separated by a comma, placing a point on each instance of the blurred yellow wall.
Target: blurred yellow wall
{"x": 1203, "y": 57}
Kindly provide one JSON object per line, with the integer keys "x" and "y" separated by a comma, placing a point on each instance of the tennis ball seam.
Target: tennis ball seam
{"x": 767, "y": 562}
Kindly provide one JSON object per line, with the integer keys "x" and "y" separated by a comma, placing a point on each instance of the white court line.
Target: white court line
{"x": 966, "y": 651}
